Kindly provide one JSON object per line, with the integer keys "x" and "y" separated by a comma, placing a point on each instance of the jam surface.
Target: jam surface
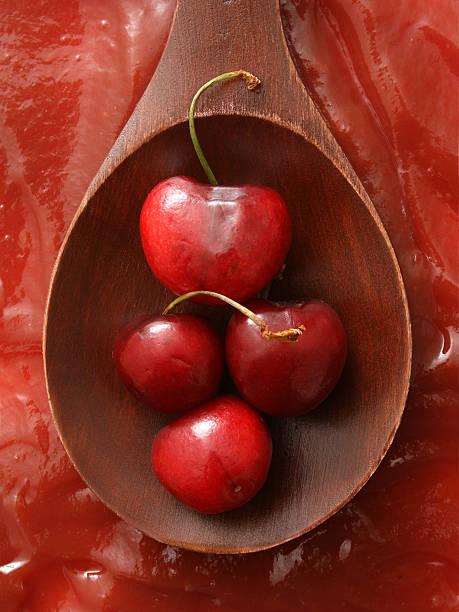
{"x": 385, "y": 76}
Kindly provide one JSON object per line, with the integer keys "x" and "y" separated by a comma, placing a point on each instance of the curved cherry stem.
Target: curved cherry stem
{"x": 286, "y": 335}
{"x": 252, "y": 83}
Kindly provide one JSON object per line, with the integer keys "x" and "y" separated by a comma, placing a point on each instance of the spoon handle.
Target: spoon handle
{"x": 215, "y": 36}
{"x": 212, "y": 37}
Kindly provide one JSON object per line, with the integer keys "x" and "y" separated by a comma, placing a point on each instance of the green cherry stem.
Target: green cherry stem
{"x": 286, "y": 335}
{"x": 252, "y": 83}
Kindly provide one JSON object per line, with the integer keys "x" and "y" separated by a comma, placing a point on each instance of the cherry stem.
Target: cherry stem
{"x": 286, "y": 335}
{"x": 252, "y": 83}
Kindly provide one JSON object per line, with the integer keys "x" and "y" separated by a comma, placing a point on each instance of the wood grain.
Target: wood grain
{"x": 340, "y": 253}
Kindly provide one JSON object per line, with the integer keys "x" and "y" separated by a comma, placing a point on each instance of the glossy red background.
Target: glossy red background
{"x": 385, "y": 75}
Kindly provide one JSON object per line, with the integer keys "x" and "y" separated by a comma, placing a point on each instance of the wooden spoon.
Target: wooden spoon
{"x": 340, "y": 253}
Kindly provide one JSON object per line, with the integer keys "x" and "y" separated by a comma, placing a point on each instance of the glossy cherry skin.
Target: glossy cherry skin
{"x": 283, "y": 378}
{"x": 231, "y": 240}
{"x": 216, "y": 457}
{"x": 171, "y": 363}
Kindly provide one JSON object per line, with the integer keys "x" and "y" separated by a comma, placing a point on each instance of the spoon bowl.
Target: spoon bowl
{"x": 340, "y": 253}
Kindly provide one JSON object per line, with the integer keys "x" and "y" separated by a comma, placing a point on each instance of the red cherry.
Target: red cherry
{"x": 286, "y": 378}
{"x": 215, "y": 238}
{"x": 172, "y": 363}
{"x": 216, "y": 457}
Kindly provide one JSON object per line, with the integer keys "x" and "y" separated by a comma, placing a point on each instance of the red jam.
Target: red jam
{"x": 385, "y": 76}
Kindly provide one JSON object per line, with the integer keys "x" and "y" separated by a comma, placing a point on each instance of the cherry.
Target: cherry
{"x": 171, "y": 363}
{"x": 214, "y": 237}
{"x": 216, "y": 457}
{"x": 286, "y": 378}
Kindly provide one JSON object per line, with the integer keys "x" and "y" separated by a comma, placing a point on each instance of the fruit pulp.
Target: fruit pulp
{"x": 384, "y": 75}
